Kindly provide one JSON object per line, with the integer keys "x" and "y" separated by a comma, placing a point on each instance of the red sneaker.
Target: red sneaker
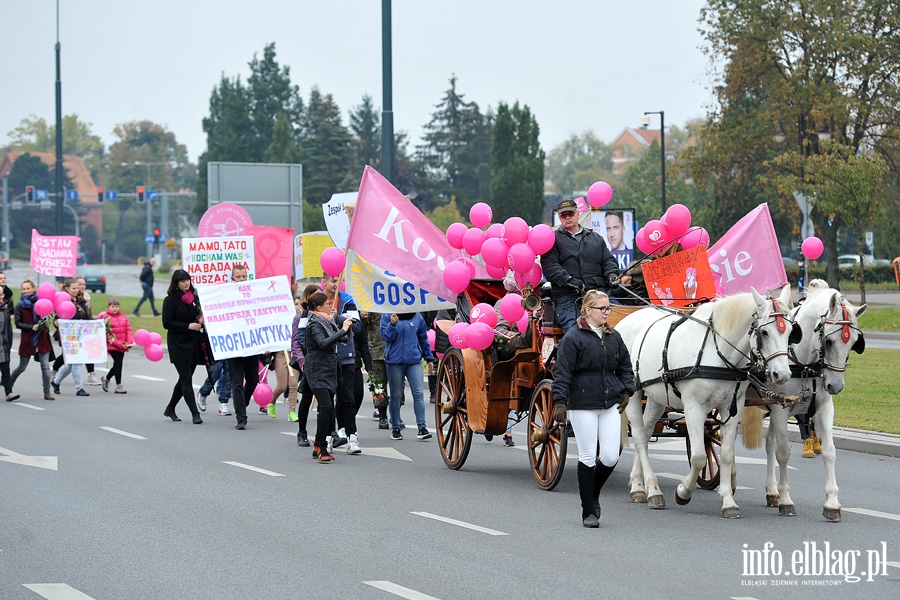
{"x": 325, "y": 457}
{"x": 315, "y": 452}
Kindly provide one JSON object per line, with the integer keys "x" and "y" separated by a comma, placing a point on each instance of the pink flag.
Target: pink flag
{"x": 274, "y": 250}
{"x": 54, "y": 255}
{"x": 748, "y": 255}
{"x": 391, "y": 233}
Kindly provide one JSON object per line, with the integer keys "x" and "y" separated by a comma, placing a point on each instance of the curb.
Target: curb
{"x": 881, "y": 335}
{"x": 858, "y": 440}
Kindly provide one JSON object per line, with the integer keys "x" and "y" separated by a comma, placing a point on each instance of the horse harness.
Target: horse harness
{"x": 754, "y": 371}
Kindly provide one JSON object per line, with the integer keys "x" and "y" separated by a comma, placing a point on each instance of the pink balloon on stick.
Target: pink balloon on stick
{"x": 495, "y": 272}
{"x": 677, "y": 219}
{"x": 154, "y": 352}
{"x": 43, "y": 307}
{"x": 480, "y": 215}
{"x": 812, "y": 247}
{"x": 484, "y": 313}
{"x": 457, "y": 335}
{"x": 263, "y": 394}
{"x": 515, "y": 231}
{"x": 60, "y": 298}
{"x": 521, "y": 258}
{"x": 494, "y": 251}
{"x": 479, "y": 336}
{"x": 46, "y": 291}
{"x": 496, "y": 231}
{"x": 472, "y": 241}
{"x": 155, "y": 338}
{"x": 541, "y": 238}
{"x": 599, "y": 194}
{"x": 142, "y": 338}
{"x": 333, "y": 261}
{"x": 456, "y": 277}
{"x": 455, "y": 234}
{"x": 65, "y": 310}
{"x": 511, "y": 307}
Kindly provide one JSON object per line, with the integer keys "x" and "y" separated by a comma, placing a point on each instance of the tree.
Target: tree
{"x": 326, "y": 149}
{"x": 34, "y": 135}
{"x": 284, "y": 148}
{"x": 31, "y": 170}
{"x": 445, "y": 215}
{"x": 578, "y": 162}
{"x": 517, "y": 162}
{"x": 365, "y": 125}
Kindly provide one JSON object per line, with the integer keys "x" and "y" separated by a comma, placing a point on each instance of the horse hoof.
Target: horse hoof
{"x": 832, "y": 515}
{"x": 732, "y": 513}
{"x": 787, "y": 510}
{"x": 681, "y": 501}
{"x": 656, "y": 502}
{"x": 773, "y": 500}
{"x": 639, "y": 497}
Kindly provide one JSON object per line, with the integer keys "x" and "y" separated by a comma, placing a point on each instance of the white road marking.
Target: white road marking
{"x": 252, "y": 468}
{"x": 873, "y": 513}
{"x": 678, "y": 477}
{"x": 741, "y": 460}
{"x": 429, "y": 515}
{"x": 125, "y": 433}
{"x": 384, "y": 453}
{"x": 890, "y": 563}
{"x": 148, "y": 378}
{"x": 399, "y": 590}
{"x": 743, "y": 598}
{"x": 41, "y": 462}
{"x": 24, "y": 405}
{"x": 56, "y": 591}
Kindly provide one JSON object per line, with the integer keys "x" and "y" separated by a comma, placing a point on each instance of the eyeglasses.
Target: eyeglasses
{"x": 567, "y": 214}
{"x": 604, "y": 309}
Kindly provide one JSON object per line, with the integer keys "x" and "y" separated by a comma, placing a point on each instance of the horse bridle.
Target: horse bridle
{"x": 781, "y": 320}
{"x": 818, "y": 367}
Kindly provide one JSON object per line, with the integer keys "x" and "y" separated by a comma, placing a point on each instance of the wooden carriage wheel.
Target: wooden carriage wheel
{"x": 712, "y": 441}
{"x": 451, "y": 413}
{"x": 547, "y": 440}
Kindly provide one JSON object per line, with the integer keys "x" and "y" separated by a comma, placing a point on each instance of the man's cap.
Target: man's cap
{"x": 567, "y": 205}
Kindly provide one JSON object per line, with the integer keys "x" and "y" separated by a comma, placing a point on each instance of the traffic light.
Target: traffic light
{"x": 156, "y": 235}
{"x": 100, "y": 194}
{"x": 140, "y": 194}
{"x": 29, "y": 193}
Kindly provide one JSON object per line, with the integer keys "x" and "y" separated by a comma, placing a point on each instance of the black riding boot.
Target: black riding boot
{"x": 586, "y": 476}
{"x": 601, "y": 474}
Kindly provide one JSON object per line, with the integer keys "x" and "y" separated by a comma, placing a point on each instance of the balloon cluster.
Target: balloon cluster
{"x": 49, "y": 301}
{"x": 674, "y": 226}
{"x": 151, "y": 342}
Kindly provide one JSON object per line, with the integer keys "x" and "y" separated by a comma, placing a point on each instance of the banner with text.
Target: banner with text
{"x": 748, "y": 255}
{"x": 273, "y": 249}
{"x": 54, "y": 255}
{"x": 679, "y": 279}
{"x": 249, "y": 317}
{"x": 209, "y": 260}
{"x": 337, "y": 221}
{"x": 83, "y": 342}
{"x": 378, "y": 290}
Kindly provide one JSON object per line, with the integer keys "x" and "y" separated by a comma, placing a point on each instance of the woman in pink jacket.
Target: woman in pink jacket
{"x": 119, "y": 341}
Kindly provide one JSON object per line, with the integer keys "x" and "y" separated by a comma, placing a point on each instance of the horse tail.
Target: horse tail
{"x": 751, "y": 427}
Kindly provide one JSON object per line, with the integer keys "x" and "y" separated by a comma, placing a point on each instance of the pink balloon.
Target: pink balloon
{"x": 536, "y": 275}
{"x": 333, "y": 261}
{"x": 61, "y": 297}
{"x": 511, "y": 307}
{"x": 43, "y": 307}
{"x": 472, "y": 241}
{"x": 154, "y": 352}
{"x": 480, "y": 215}
{"x": 599, "y": 194}
{"x": 640, "y": 239}
{"x": 155, "y": 338}
{"x": 457, "y": 335}
{"x": 455, "y": 234}
{"x": 263, "y": 394}
{"x": 541, "y": 238}
{"x": 484, "y": 313}
{"x": 495, "y": 272}
{"x": 46, "y": 291}
{"x": 697, "y": 236}
{"x": 522, "y": 324}
{"x": 432, "y": 337}
{"x": 142, "y": 338}
{"x": 677, "y": 219}
{"x": 456, "y": 277}
{"x": 470, "y": 265}
{"x": 494, "y": 251}
{"x": 65, "y": 310}
{"x": 812, "y": 248}
{"x": 521, "y": 258}
{"x": 495, "y": 231}
{"x": 656, "y": 233}
{"x": 515, "y": 231}
{"x": 479, "y": 336}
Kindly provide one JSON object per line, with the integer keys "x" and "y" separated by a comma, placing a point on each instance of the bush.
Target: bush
{"x": 164, "y": 268}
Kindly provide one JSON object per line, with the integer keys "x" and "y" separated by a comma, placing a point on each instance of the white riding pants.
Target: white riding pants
{"x": 598, "y": 427}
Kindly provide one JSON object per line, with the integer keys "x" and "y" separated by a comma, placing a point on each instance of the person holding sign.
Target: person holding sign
{"x": 183, "y": 321}
{"x": 35, "y": 340}
{"x": 72, "y": 288}
{"x": 6, "y": 310}
{"x": 242, "y": 368}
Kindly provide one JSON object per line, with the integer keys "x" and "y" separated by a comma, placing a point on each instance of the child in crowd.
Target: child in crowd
{"x": 119, "y": 341}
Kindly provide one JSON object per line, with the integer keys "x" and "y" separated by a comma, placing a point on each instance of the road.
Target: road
{"x": 126, "y": 504}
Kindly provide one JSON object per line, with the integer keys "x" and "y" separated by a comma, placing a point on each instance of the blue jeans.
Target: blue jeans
{"x": 148, "y": 295}
{"x": 75, "y": 370}
{"x": 414, "y": 375}
{"x": 217, "y": 372}
{"x": 566, "y": 312}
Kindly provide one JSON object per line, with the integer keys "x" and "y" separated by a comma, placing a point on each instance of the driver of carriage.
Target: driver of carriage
{"x": 592, "y": 379}
{"x": 578, "y": 261}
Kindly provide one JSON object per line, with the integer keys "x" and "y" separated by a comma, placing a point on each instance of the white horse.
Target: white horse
{"x": 830, "y": 332}
{"x": 697, "y": 367}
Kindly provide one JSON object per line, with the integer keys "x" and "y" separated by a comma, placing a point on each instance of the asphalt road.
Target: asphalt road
{"x": 140, "y": 507}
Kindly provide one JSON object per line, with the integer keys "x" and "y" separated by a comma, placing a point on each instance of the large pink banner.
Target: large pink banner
{"x": 390, "y": 232}
{"x": 274, "y": 250}
{"x": 54, "y": 255}
{"x": 748, "y": 255}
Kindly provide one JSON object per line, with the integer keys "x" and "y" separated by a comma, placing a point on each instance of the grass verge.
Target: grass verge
{"x": 870, "y": 400}
{"x": 148, "y": 321}
{"x": 881, "y": 319}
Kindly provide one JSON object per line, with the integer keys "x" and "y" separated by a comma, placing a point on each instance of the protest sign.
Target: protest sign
{"x": 314, "y": 244}
{"x": 209, "y": 260}
{"x": 337, "y": 222}
{"x": 679, "y": 279}
{"x": 378, "y": 290}
{"x": 83, "y": 342}
{"x": 54, "y": 255}
{"x": 248, "y": 317}
{"x": 273, "y": 249}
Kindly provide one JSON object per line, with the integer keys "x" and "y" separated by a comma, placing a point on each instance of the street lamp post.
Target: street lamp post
{"x": 59, "y": 141}
{"x": 645, "y": 121}
{"x": 149, "y": 202}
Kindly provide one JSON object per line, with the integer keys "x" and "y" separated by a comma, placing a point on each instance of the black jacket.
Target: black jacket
{"x": 591, "y": 372}
{"x": 322, "y": 367}
{"x": 587, "y": 259}
{"x": 147, "y": 274}
{"x": 184, "y": 343}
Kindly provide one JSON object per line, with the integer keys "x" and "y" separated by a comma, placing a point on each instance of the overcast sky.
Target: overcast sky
{"x": 579, "y": 64}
